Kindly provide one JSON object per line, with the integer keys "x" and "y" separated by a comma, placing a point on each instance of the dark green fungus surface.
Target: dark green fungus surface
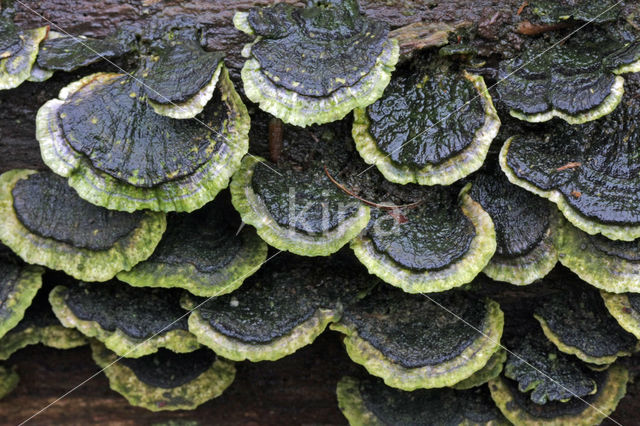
{"x": 413, "y": 341}
{"x": 167, "y": 369}
{"x": 293, "y": 204}
{"x": 201, "y": 252}
{"x": 293, "y": 39}
{"x": 178, "y": 70}
{"x": 119, "y": 153}
{"x": 589, "y": 171}
{"x": 166, "y": 380}
{"x": 19, "y": 284}
{"x": 575, "y": 81}
{"x": 577, "y": 322}
{"x": 625, "y": 308}
{"x": 518, "y": 408}
{"x": 130, "y": 321}
{"x": 46, "y": 223}
{"x": 281, "y": 308}
{"x": 50, "y": 208}
{"x": 67, "y": 53}
{"x": 610, "y": 265}
{"x": 597, "y": 11}
{"x": 39, "y": 326}
{"x": 315, "y": 64}
{"x": 18, "y": 51}
{"x": 526, "y": 229}
{"x": 10, "y": 40}
{"x": 369, "y": 401}
{"x": 545, "y": 374}
{"x": 430, "y": 127}
{"x": 439, "y": 243}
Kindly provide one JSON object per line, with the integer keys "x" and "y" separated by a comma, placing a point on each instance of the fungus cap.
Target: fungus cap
{"x": 103, "y": 135}
{"x": 46, "y": 223}
{"x": 412, "y": 342}
{"x": 132, "y": 322}
{"x": 431, "y": 128}
{"x": 166, "y": 380}
{"x": 315, "y": 64}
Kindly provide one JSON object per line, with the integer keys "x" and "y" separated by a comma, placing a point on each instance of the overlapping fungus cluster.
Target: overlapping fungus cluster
{"x": 442, "y": 209}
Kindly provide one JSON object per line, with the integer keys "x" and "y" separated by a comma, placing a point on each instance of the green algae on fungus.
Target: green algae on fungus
{"x": 577, "y": 81}
{"x": 202, "y": 253}
{"x": 491, "y": 370}
{"x": 132, "y": 322}
{"x": 625, "y": 308}
{"x": 526, "y": 229}
{"x": 429, "y": 128}
{"x": 315, "y": 64}
{"x": 102, "y": 134}
{"x": 8, "y": 380}
{"x": 612, "y": 266}
{"x": 592, "y": 11}
{"x": 18, "y": 52}
{"x": 545, "y": 374}
{"x": 578, "y": 323}
{"x": 19, "y": 284}
{"x": 518, "y": 408}
{"x": 283, "y": 307}
{"x": 591, "y": 171}
{"x": 39, "y": 326}
{"x": 46, "y": 223}
{"x": 411, "y": 342}
{"x": 442, "y": 243}
{"x": 300, "y": 211}
{"x": 166, "y": 380}
{"x": 368, "y": 401}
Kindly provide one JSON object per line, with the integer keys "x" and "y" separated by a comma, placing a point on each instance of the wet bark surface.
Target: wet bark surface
{"x": 299, "y": 389}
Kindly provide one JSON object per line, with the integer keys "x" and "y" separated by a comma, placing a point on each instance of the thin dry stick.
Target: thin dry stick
{"x": 367, "y": 202}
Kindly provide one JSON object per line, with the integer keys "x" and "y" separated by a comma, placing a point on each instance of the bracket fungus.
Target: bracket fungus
{"x": 589, "y": 171}
{"x": 368, "y": 401}
{"x": 202, "y": 253}
{"x": 578, "y": 81}
{"x": 430, "y": 127}
{"x": 411, "y": 342}
{"x": 132, "y": 322}
{"x": 18, "y": 52}
{"x": 442, "y": 243}
{"x": 518, "y": 408}
{"x": 315, "y": 64}
{"x": 299, "y": 211}
{"x": 19, "y": 284}
{"x": 610, "y": 265}
{"x": 592, "y": 11}
{"x": 625, "y": 308}
{"x": 283, "y": 307}
{"x": 120, "y": 154}
{"x": 166, "y": 380}
{"x": 65, "y": 52}
{"x": 46, "y": 223}
{"x": 39, "y": 326}
{"x": 578, "y": 323}
{"x": 8, "y": 380}
{"x": 292, "y": 201}
{"x": 526, "y": 229}
{"x": 545, "y": 374}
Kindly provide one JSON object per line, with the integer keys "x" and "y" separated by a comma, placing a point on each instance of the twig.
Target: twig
{"x": 527, "y": 28}
{"x": 367, "y": 202}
